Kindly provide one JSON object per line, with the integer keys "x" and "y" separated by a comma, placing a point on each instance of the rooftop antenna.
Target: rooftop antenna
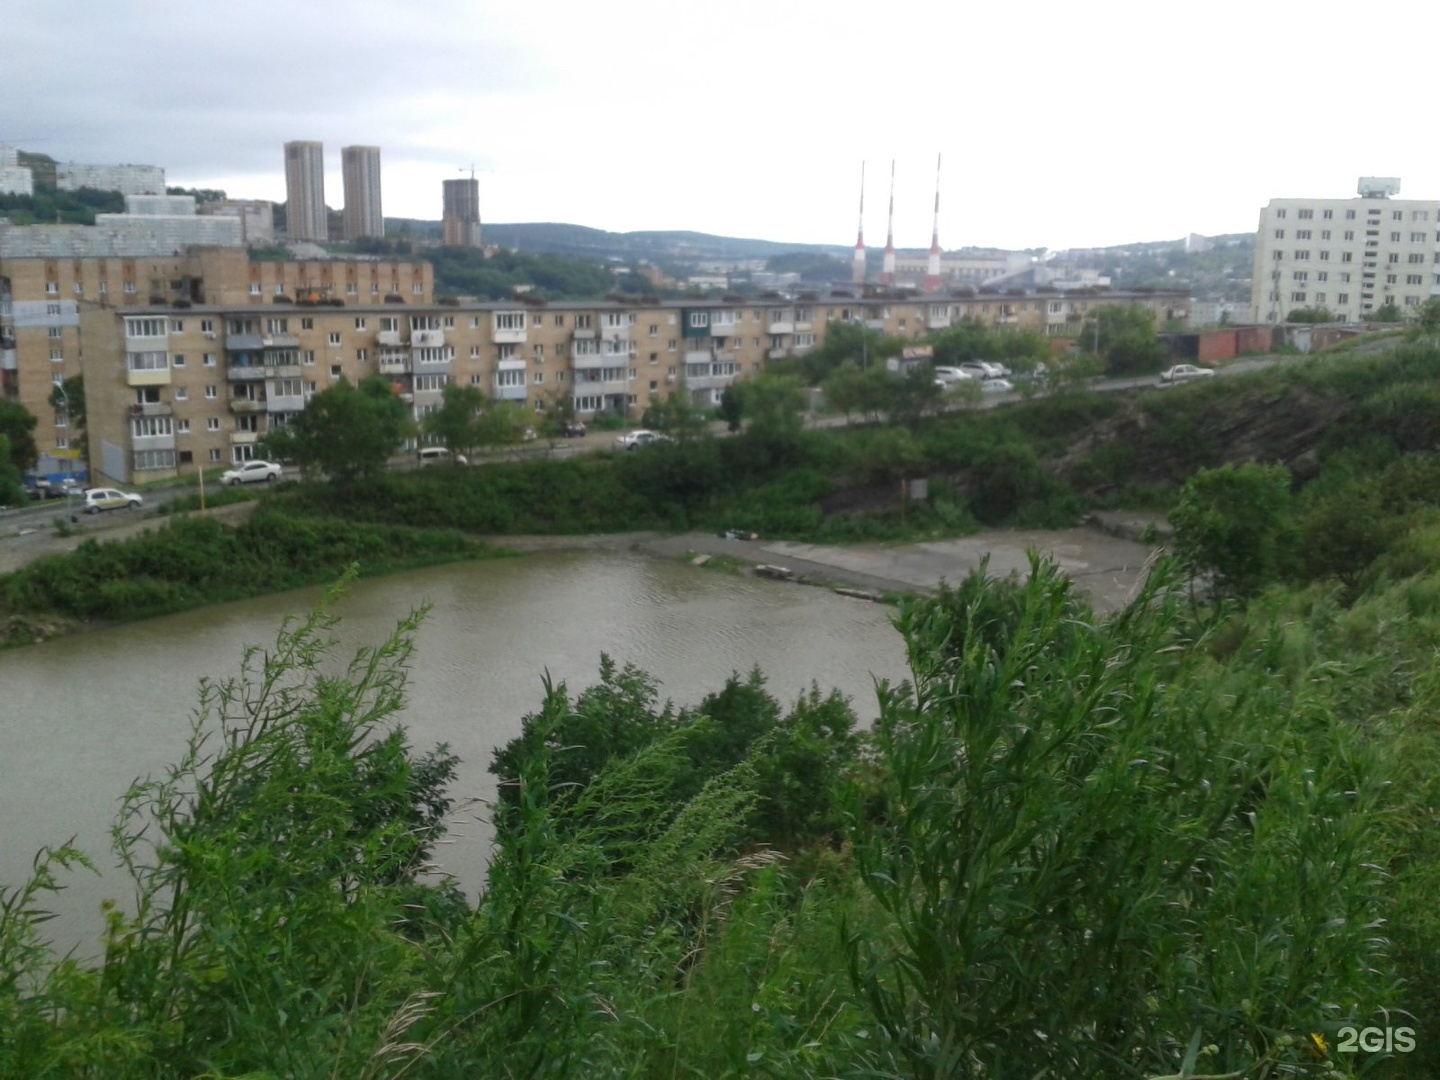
{"x": 932, "y": 269}
{"x": 857, "y": 268}
{"x": 887, "y": 270}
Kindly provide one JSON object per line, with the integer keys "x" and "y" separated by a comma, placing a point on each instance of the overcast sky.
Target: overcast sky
{"x": 1060, "y": 124}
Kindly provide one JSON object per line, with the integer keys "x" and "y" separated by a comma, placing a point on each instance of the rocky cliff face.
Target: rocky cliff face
{"x": 1153, "y": 442}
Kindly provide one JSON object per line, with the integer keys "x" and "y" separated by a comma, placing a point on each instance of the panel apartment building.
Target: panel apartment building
{"x": 202, "y": 355}
{"x": 1350, "y": 256}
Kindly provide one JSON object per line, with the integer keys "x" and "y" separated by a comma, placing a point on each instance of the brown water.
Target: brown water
{"x": 81, "y": 717}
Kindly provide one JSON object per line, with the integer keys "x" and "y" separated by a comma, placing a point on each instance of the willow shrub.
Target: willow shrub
{"x": 1099, "y": 851}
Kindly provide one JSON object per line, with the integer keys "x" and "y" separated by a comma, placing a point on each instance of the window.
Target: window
{"x": 418, "y": 289}
{"x": 1279, "y": 255}
{"x": 1301, "y": 275}
{"x": 1397, "y": 215}
{"x": 154, "y": 459}
{"x": 1319, "y": 298}
{"x": 351, "y": 289}
{"x": 335, "y": 337}
{"x": 509, "y": 320}
{"x": 1327, "y": 214}
{"x": 181, "y": 393}
{"x": 52, "y": 288}
{"x": 210, "y": 393}
{"x": 1349, "y": 215}
{"x": 178, "y": 360}
{"x": 582, "y": 322}
{"x": 1322, "y": 275}
{"x": 670, "y": 345}
{"x": 212, "y": 423}
{"x": 1393, "y": 258}
{"x": 1414, "y": 279}
{"x": 56, "y": 332}
{"x": 308, "y": 357}
{"x": 1347, "y": 256}
{"x": 1421, "y": 215}
{"x": 539, "y": 376}
{"x": 1342, "y": 298}
{"x": 1324, "y": 234}
{"x": 214, "y": 453}
{"x": 1297, "y": 297}
{"x": 1324, "y": 256}
{"x": 448, "y": 322}
{"x": 334, "y": 371}
{"x": 359, "y": 322}
{"x": 182, "y": 427}
{"x": 1349, "y": 234}
{"x": 1417, "y": 237}
{"x": 1302, "y": 255}
{"x": 145, "y": 427}
{"x": 1417, "y": 257}
{"x": 1344, "y": 275}
{"x": 1395, "y": 237}
{"x": 254, "y": 288}
{"x": 57, "y": 355}
{"x": 559, "y": 320}
{"x": 475, "y": 352}
{"x": 1302, "y": 234}
{"x": 537, "y": 319}
{"x": 654, "y": 329}
{"x": 1306, "y": 214}
{"x": 1280, "y": 213}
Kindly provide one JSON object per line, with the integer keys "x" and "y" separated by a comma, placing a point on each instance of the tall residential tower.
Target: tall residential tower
{"x": 461, "y": 219}
{"x": 305, "y": 191}
{"x": 361, "y": 168}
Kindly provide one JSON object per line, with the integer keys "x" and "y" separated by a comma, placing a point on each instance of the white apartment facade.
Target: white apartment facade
{"x": 1350, "y": 256}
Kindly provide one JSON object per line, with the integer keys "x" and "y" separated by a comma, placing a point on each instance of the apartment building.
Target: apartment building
{"x": 1351, "y": 256}
{"x": 360, "y": 168}
{"x": 305, "y": 216}
{"x": 460, "y": 220}
{"x": 190, "y": 360}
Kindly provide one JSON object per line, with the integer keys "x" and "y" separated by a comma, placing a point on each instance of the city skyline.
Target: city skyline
{"x": 1100, "y": 126}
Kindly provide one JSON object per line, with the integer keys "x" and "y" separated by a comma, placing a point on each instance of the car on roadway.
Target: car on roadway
{"x": 950, "y": 375}
{"x": 251, "y": 472}
{"x": 997, "y": 386}
{"x": 1184, "y": 373}
{"x": 53, "y": 489}
{"x": 573, "y": 429}
{"x": 98, "y": 499}
{"x": 439, "y": 455}
{"x": 632, "y": 439}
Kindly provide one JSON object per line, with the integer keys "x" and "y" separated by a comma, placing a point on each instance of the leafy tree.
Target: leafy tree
{"x": 678, "y": 415}
{"x": 1310, "y": 315}
{"x": 1387, "y": 312}
{"x": 852, "y": 389}
{"x": 913, "y": 395}
{"x": 12, "y": 486}
{"x": 1232, "y": 523}
{"x": 72, "y": 402}
{"x": 501, "y": 424}
{"x": 1124, "y": 334}
{"x": 456, "y": 424}
{"x": 731, "y": 410}
{"x": 1427, "y": 319}
{"x": 17, "y": 424}
{"x": 346, "y": 432}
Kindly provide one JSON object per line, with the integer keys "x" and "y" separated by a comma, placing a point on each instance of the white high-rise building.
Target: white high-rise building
{"x": 305, "y": 217}
{"x": 1349, "y": 256}
{"x": 360, "y": 166}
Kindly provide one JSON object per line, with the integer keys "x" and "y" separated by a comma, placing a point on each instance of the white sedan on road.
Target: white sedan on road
{"x": 97, "y": 499}
{"x": 252, "y": 472}
{"x": 631, "y": 440}
{"x": 1185, "y": 372}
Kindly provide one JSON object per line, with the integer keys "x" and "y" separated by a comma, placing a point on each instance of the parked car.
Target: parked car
{"x": 997, "y": 386}
{"x": 1184, "y": 372}
{"x": 630, "y": 440}
{"x": 984, "y": 369}
{"x": 949, "y": 375}
{"x": 251, "y": 472}
{"x": 439, "y": 455}
{"x": 53, "y": 489}
{"x": 573, "y": 429}
{"x": 527, "y": 434}
{"x": 97, "y": 499}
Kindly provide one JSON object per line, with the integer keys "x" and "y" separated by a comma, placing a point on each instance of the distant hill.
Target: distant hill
{"x": 558, "y": 238}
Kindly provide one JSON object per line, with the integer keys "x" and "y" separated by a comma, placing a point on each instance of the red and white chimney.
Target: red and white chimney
{"x": 932, "y": 267}
{"x": 887, "y": 269}
{"x": 857, "y": 265}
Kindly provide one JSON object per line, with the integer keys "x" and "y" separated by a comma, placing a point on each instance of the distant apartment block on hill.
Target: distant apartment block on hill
{"x": 1350, "y": 256}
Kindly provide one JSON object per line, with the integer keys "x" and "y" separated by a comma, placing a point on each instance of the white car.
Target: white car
{"x": 439, "y": 455}
{"x": 1183, "y": 372}
{"x": 630, "y": 440}
{"x": 949, "y": 375}
{"x": 997, "y": 386}
{"x": 251, "y": 472}
{"x": 97, "y": 499}
{"x": 984, "y": 369}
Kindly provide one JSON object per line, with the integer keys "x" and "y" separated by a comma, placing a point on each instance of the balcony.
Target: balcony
{"x": 242, "y": 438}
{"x": 427, "y": 339}
{"x": 279, "y": 341}
{"x": 242, "y": 372}
{"x": 590, "y": 361}
{"x": 391, "y": 364}
{"x": 698, "y": 356}
{"x": 511, "y": 393}
{"x": 241, "y": 406}
{"x": 781, "y": 328}
{"x": 8, "y": 360}
{"x": 777, "y": 354}
{"x": 584, "y": 335}
{"x": 509, "y": 336}
{"x": 938, "y": 322}
{"x": 148, "y": 377}
{"x": 244, "y": 343}
{"x": 275, "y": 403}
{"x": 390, "y": 338}
{"x": 152, "y": 442}
{"x": 803, "y": 326}
{"x": 151, "y": 408}
{"x": 726, "y": 329}
{"x": 428, "y": 397}
{"x": 282, "y": 371}
{"x": 615, "y": 333}
{"x": 424, "y": 366}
